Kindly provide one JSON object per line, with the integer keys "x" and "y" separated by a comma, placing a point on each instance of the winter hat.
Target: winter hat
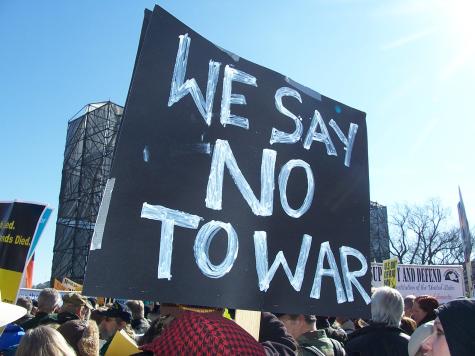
{"x": 457, "y": 319}
{"x": 204, "y": 333}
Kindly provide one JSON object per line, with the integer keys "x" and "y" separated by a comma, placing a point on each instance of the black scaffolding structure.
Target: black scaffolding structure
{"x": 90, "y": 143}
{"x": 379, "y": 232}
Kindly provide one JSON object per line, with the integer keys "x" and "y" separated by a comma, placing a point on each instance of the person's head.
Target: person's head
{"x": 424, "y": 309}
{"x": 453, "y": 332}
{"x": 408, "y": 303}
{"x": 322, "y": 322}
{"x": 115, "y": 318}
{"x": 136, "y": 308}
{"x": 387, "y": 306}
{"x": 44, "y": 341}
{"x": 109, "y": 326}
{"x": 49, "y": 300}
{"x": 298, "y": 324}
{"x": 26, "y": 303}
{"x": 77, "y": 304}
{"x": 408, "y": 325}
{"x": 204, "y": 333}
{"x": 82, "y": 335}
{"x": 97, "y": 315}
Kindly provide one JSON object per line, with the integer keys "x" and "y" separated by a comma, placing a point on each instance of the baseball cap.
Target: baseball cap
{"x": 118, "y": 311}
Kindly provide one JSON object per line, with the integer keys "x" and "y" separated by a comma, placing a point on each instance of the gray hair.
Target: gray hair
{"x": 48, "y": 300}
{"x": 409, "y": 301}
{"x": 387, "y": 306}
{"x": 26, "y": 303}
{"x": 44, "y": 341}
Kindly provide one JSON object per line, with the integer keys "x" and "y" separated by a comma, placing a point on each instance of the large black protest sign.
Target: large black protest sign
{"x": 232, "y": 186}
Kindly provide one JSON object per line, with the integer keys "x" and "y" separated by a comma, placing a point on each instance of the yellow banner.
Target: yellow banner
{"x": 390, "y": 272}
{"x": 9, "y": 284}
{"x": 71, "y": 285}
{"x": 58, "y": 285}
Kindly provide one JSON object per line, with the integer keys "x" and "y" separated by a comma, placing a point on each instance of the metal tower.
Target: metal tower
{"x": 90, "y": 143}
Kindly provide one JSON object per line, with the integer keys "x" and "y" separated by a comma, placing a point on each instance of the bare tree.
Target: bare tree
{"x": 421, "y": 234}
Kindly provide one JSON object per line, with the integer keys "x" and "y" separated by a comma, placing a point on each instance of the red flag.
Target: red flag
{"x": 29, "y": 273}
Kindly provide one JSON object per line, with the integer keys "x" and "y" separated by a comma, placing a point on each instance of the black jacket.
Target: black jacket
{"x": 377, "y": 340}
{"x": 274, "y": 337}
{"x": 41, "y": 318}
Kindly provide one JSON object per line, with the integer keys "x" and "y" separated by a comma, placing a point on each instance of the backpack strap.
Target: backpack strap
{"x": 337, "y": 348}
{"x": 313, "y": 349}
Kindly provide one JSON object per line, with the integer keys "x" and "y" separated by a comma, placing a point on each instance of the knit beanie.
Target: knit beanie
{"x": 457, "y": 319}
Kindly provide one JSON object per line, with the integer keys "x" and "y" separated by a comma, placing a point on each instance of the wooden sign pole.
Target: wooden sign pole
{"x": 250, "y": 321}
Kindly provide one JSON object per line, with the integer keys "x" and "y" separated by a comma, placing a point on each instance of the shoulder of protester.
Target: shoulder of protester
{"x": 311, "y": 337}
{"x": 317, "y": 339}
{"x": 375, "y": 328}
{"x": 65, "y": 316}
{"x": 40, "y": 319}
{"x": 274, "y": 337}
{"x": 377, "y": 340}
{"x": 337, "y": 334}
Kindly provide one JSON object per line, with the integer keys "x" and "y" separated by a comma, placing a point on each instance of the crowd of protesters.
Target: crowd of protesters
{"x": 76, "y": 325}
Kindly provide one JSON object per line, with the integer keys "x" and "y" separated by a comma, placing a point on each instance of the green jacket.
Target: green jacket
{"x": 315, "y": 339}
{"x": 40, "y": 318}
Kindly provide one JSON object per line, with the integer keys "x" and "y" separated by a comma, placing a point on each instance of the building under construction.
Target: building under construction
{"x": 90, "y": 143}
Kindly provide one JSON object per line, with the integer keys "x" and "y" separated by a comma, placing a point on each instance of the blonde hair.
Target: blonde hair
{"x": 44, "y": 341}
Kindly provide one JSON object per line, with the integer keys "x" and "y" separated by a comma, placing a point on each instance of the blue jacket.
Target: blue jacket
{"x": 11, "y": 336}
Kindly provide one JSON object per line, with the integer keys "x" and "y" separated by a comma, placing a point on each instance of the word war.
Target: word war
{"x": 171, "y": 218}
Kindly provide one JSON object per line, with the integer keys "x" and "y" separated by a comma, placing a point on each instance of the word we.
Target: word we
{"x": 180, "y": 88}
